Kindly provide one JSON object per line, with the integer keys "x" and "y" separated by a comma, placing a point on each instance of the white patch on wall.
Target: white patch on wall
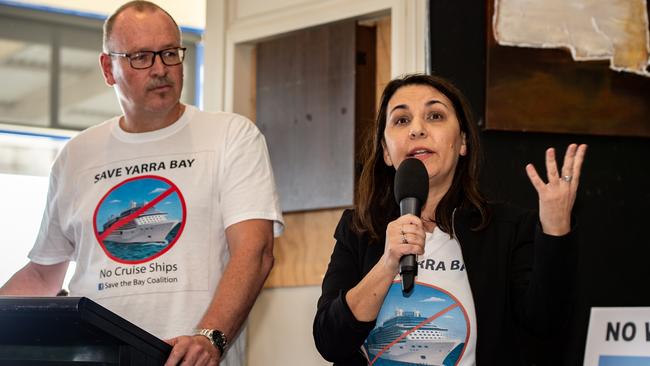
{"x": 614, "y": 30}
{"x": 23, "y": 200}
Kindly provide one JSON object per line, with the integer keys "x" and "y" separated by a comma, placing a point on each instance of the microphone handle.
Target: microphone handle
{"x": 410, "y": 205}
{"x": 408, "y": 266}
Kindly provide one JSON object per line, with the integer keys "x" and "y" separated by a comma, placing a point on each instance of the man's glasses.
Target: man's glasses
{"x": 145, "y": 59}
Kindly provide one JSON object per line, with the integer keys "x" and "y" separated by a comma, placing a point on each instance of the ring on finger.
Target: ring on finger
{"x": 567, "y": 178}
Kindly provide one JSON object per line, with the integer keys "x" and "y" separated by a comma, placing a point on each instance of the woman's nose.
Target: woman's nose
{"x": 417, "y": 130}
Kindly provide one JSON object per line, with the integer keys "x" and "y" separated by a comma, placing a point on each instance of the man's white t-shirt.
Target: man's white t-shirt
{"x": 436, "y": 324}
{"x": 144, "y": 215}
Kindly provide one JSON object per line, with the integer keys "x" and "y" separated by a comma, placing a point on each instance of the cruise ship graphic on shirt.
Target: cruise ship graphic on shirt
{"x": 150, "y": 226}
{"x": 427, "y": 345}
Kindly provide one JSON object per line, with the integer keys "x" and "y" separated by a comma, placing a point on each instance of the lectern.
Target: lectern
{"x": 72, "y": 331}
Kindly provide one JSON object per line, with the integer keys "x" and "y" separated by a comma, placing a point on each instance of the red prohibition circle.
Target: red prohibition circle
{"x": 172, "y": 189}
{"x": 457, "y": 304}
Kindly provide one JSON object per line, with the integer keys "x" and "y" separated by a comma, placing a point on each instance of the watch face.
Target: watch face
{"x": 218, "y": 338}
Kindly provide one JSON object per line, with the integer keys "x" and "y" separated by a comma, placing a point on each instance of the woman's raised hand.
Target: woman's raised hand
{"x": 404, "y": 236}
{"x": 557, "y": 196}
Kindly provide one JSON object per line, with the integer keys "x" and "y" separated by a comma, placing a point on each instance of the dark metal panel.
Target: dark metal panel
{"x": 305, "y": 108}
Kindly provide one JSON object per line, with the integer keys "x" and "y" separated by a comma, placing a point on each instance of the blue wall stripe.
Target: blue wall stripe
{"x": 83, "y": 14}
{"x": 34, "y": 134}
{"x": 198, "y": 75}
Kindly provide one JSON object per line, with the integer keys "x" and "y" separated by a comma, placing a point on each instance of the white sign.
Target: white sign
{"x": 618, "y": 337}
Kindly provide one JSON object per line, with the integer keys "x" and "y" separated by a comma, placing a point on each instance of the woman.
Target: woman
{"x": 484, "y": 269}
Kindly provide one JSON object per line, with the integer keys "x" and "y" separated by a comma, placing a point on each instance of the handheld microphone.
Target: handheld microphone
{"x": 411, "y": 190}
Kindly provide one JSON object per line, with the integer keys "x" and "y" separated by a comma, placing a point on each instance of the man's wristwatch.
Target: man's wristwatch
{"x": 216, "y": 337}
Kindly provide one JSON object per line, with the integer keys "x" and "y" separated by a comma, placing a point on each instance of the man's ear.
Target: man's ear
{"x": 387, "y": 158}
{"x": 106, "y": 63}
{"x": 463, "y": 145}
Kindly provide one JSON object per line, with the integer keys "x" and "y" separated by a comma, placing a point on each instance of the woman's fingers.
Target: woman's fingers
{"x": 408, "y": 244}
{"x": 571, "y": 167}
{"x": 569, "y": 159}
{"x": 406, "y": 235}
{"x": 410, "y": 233}
{"x": 557, "y": 196}
{"x": 404, "y": 249}
{"x": 534, "y": 178}
{"x": 577, "y": 163}
{"x": 551, "y": 166}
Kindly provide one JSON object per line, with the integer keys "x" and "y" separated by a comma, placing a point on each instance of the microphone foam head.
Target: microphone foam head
{"x": 411, "y": 180}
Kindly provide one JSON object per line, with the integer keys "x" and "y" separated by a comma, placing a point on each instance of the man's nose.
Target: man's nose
{"x": 158, "y": 67}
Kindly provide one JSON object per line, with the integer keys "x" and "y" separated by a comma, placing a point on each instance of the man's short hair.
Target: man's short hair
{"x": 140, "y": 6}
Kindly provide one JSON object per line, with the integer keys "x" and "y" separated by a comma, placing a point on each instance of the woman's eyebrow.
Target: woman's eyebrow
{"x": 435, "y": 101}
{"x": 399, "y": 106}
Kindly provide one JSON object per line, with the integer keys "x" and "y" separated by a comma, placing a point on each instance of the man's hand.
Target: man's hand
{"x": 192, "y": 350}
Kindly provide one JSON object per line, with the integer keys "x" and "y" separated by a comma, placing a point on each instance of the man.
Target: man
{"x": 169, "y": 212}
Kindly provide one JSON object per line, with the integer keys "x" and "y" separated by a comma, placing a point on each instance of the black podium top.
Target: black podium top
{"x": 72, "y": 330}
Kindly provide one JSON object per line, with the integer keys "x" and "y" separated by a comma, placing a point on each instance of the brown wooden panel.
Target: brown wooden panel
{"x": 365, "y": 92}
{"x": 305, "y": 108}
{"x": 383, "y": 57}
{"x": 303, "y": 251}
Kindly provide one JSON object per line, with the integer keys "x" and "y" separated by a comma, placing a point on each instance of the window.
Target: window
{"x": 51, "y": 73}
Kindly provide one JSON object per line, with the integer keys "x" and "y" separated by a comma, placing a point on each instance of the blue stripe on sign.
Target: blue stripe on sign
{"x": 605, "y": 360}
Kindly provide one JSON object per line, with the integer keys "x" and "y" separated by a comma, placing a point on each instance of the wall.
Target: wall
{"x": 282, "y": 318}
{"x": 280, "y": 328}
{"x": 20, "y": 219}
